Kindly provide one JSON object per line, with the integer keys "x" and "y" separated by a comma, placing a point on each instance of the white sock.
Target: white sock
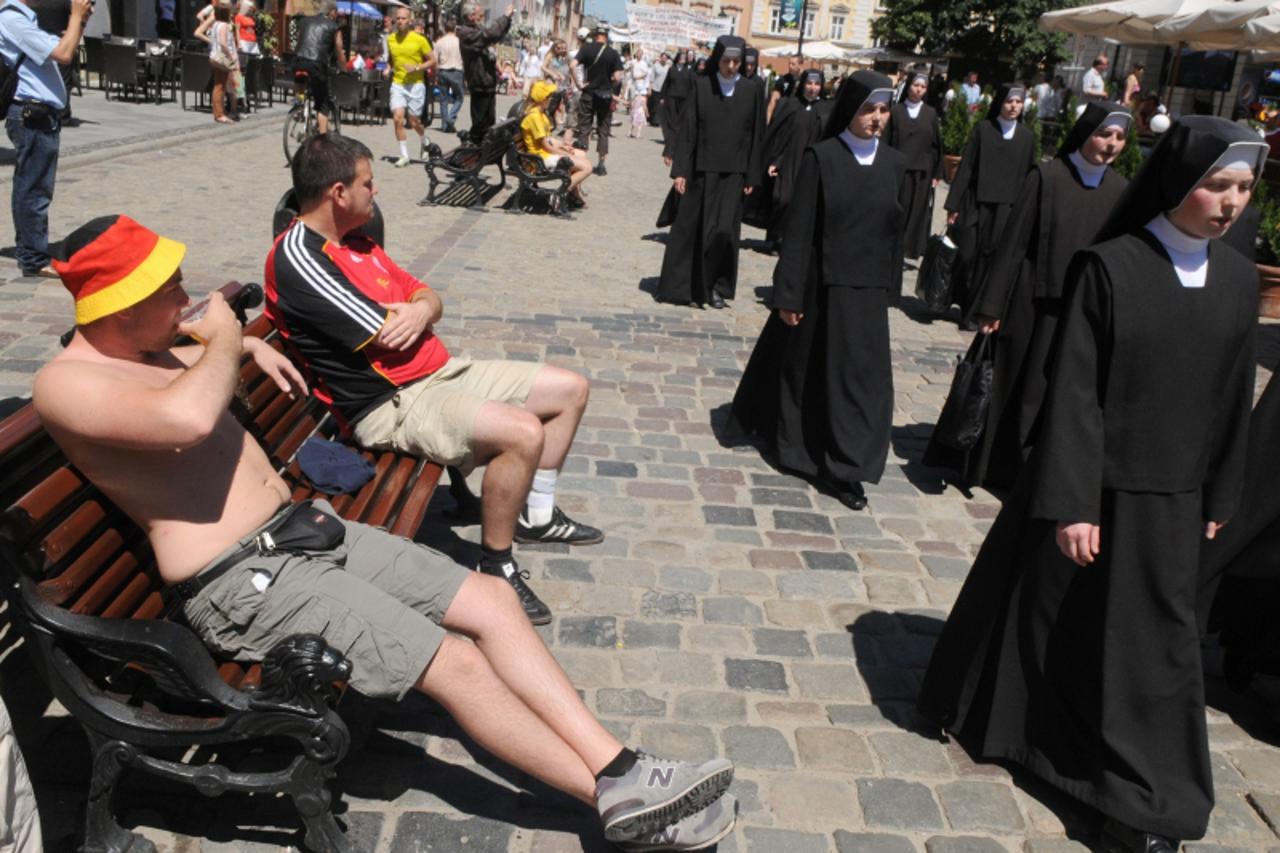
{"x": 404, "y": 148}
{"x": 542, "y": 497}
{"x": 422, "y": 141}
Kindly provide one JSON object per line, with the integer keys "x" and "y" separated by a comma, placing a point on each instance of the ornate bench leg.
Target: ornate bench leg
{"x": 102, "y": 833}
{"x": 311, "y": 798}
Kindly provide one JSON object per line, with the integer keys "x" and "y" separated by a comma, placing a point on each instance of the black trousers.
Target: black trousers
{"x": 598, "y": 110}
{"x": 484, "y": 107}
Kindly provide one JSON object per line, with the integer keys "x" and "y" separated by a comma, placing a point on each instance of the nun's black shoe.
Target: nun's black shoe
{"x": 716, "y": 301}
{"x": 851, "y": 495}
{"x": 1118, "y": 838}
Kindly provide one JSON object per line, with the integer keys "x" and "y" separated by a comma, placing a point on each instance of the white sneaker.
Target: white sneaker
{"x": 402, "y": 162}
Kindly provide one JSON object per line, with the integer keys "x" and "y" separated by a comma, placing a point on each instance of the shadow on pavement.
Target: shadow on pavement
{"x": 892, "y": 650}
{"x": 909, "y": 442}
{"x": 656, "y": 237}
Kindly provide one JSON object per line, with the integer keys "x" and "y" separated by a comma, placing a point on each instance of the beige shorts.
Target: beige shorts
{"x": 376, "y": 598}
{"x": 435, "y": 417}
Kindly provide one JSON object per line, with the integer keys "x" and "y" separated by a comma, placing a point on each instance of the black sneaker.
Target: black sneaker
{"x": 534, "y": 608}
{"x": 561, "y": 528}
{"x": 600, "y": 169}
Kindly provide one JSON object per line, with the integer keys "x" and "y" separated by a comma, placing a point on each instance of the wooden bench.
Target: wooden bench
{"x": 460, "y": 170}
{"x": 83, "y": 589}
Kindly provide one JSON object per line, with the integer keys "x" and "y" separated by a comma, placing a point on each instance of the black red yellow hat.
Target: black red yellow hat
{"x": 112, "y": 263}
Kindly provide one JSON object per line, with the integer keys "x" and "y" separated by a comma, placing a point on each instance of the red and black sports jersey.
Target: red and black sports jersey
{"x": 327, "y": 299}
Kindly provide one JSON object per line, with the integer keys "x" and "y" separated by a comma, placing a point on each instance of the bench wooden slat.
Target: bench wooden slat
{"x": 415, "y": 505}
{"x": 85, "y": 579}
{"x": 152, "y": 606}
{"x": 390, "y": 491}
{"x": 47, "y": 498}
{"x": 131, "y": 596}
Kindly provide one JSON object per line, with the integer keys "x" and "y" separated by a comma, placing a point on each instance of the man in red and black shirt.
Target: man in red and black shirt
{"x": 364, "y": 327}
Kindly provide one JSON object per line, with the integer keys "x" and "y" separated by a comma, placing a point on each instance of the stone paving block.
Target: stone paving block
{"x": 767, "y": 496}
{"x": 629, "y": 702}
{"x": 766, "y": 559}
{"x": 1258, "y": 766}
{"x": 639, "y": 635}
{"x": 980, "y": 807}
{"x": 775, "y": 642}
{"x": 743, "y": 582}
{"x": 1234, "y": 821}
{"x": 833, "y": 749}
{"x": 859, "y": 716}
{"x": 676, "y": 605}
{"x": 423, "y": 832}
{"x": 757, "y": 746}
{"x": 898, "y": 804}
{"x": 888, "y": 561}
{"x": 731, "y": 610}
{"x": 834, "y": 645}
{"x": 1053, "y": 845}
{"x": 688, "y": 668}
{"x": 733, "y": 515}
{"x": 744, "y": 674}
{"x": 718, "y": 638}
{"x": 738, "y": 535}
{"x": 829, "y": 681}
{"x": 793, "y": 614}
{"x": 684, "y": 578}
{"x": 890, "y": 590}
{"x": 949, "y": 568}
{"x": 569, "y": 570}
{"x": 682, "y": 741}
{"x": 782, "y": 713}
{"x": 813, "y": 801}
{"x": 963, "y": 844}
{"x": 764, "y": 840}
{"x": 711, "y": 706}
{"x": 872, "y": 842}
{"x": 615, "y": 572}
{"x": 829, "y": 562}
{"x": 803, "y": 522}
{"x": 908, "y": 754}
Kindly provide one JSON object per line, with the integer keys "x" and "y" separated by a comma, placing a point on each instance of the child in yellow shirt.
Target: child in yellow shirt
{"x": 536, "y": 138}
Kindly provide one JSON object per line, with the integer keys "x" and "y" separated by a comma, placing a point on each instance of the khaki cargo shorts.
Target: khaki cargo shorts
{"x": 377, "y": 598}
{"x": 435, "y": 418}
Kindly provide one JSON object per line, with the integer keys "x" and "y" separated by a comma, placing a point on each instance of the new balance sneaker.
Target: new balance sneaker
{"x": 534, "y": 608}
{"x": 561, "y": 528}
{"x": 698, "y": 831}
{"x": 401, "y": 161}
{"x": 656, "y": 794}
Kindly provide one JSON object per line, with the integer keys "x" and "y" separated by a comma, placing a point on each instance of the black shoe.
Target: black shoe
{"x": 600, "y": 169}
{"x": 466, "y": 506}
{"x": 1118, "y": 838}
{"x": 851, "y": 495}
{"x": 716, "y": 301}
{"x": 560, "y": 529}
{"x": 538, "y": 613}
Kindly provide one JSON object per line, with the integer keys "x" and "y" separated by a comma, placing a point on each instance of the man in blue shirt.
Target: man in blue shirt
{"x": 972, "y": 91}
{"x": 32, "y": 122}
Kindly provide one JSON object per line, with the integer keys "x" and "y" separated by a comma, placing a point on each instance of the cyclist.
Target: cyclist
{"x": 319, "y": 42}
{"x": 410, "y": 56}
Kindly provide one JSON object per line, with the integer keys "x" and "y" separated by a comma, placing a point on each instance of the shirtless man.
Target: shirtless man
{"x": 148, "y": 423}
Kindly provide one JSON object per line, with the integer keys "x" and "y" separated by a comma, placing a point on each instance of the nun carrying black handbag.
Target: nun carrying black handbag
{"x": 933, "y": 283}
{"x": 964, "y": 414}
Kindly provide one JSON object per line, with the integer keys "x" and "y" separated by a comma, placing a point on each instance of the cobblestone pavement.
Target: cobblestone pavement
{"x": 731, "y": 610}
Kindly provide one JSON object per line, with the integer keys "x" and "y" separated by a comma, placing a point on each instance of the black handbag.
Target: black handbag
{"x": 964, "y": 414}
{"x": 933, "y": 283}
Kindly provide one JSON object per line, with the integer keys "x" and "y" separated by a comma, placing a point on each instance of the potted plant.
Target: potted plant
{"x": 1031, "y": 119}
{"x": 1268, "y": 251}
{"x": 957, "y": 123}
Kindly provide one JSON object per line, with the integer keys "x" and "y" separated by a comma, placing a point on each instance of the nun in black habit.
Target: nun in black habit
{"x": 1063, "y": 206}
{"x": 675, "y": 91}
{"x": 1073, "y": 647}
{"x": 914, "y": 130}
{"x": 717, "y": 162}
{"x": 797, "y": 123}
{"x": 996, "y": 160}
{"x": 818, "y": 389}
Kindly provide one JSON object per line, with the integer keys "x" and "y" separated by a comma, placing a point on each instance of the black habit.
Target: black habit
{"x": 1091, "y": 677}
{"x": 920, "y": 141}
{"x": 820, "y": 394}
{"x": 675, "y": 91}
{"x": 719, "y": 150}
{"x": 1056, "y": 215}
{"x": 987, "y": 184}
{"x": 797, "y": 124}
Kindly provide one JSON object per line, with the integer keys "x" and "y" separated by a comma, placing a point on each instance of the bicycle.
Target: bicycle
{"x": 303, "y": 121}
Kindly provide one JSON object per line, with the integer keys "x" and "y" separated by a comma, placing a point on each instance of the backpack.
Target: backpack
{"x": 9, "y": 76}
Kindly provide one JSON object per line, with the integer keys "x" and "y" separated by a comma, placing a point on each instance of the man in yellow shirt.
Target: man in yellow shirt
{"x": 410, "y": 57}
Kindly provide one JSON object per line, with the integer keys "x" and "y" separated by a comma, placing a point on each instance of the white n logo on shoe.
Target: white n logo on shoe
{"x": 661, "y": 776}
{"x": 667, "y": 835}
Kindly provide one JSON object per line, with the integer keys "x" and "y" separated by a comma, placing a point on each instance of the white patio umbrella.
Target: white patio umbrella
{"x": 1134, "y": 21}
{"x": 1242, "y": 25}
{"x": 823, "y": 51}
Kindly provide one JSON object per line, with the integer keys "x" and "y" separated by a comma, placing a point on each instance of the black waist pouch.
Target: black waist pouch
{"x": 304, "y": 528}
{"x": 39, "y": 117}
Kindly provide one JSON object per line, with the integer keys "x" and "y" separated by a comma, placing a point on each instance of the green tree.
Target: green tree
{"x": 990, "y": 29}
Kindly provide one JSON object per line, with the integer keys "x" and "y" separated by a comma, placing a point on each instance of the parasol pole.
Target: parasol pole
{"x": 804, "y": 12}
{"x": 1173, "y": 77}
